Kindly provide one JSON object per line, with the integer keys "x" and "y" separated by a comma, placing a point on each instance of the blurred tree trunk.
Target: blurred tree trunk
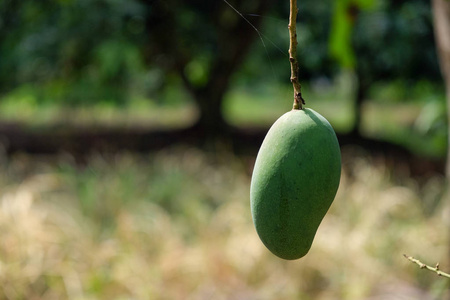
{"x": 362, "y": 89}
{"x": 233, "y": 45}
{"x": 217, "y": 27}
{"x": 441, "y": 12}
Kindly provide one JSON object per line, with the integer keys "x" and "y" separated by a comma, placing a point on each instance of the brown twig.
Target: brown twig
{"x": 424, "y": 266}
{"x": 298, "y": 99}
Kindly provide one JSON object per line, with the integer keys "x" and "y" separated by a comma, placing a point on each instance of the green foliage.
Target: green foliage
{"x": 75, "y": 52}
{"x": 393, "y": 41}
{"x": 91, "y": 51}
{"x": 377, "y": 36}
{"x": 116, "y": 53}
{"x": 271, "y": 63}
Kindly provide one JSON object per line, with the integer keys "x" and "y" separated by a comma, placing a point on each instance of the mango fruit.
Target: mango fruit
{"x": 294, "y": 182}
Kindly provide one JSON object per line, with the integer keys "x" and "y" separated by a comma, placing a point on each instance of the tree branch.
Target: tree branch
{"x": 424, "y": 266}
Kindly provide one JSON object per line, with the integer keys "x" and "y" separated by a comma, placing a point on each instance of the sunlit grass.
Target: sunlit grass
{"x": 177, "y": 225}
{"x": 417, "y": 123}
{"x": 413, "y": 118}
{"x": 135, "y": 113}
{"x": 408, "y": 125}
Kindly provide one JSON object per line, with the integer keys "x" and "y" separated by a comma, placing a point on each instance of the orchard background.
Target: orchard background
{"x": 129, "y": 130}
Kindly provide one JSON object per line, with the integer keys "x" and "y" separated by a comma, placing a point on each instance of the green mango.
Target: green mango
{"x": 295, "y": 179}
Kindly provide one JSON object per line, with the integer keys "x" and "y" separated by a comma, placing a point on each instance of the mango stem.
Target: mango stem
{"x": 298, "y": 99}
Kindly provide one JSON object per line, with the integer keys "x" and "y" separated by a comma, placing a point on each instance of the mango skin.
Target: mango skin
{"x": 294, "y": 182}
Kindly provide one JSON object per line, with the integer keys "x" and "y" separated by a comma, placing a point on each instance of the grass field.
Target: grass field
{"x": 176, "y": 225}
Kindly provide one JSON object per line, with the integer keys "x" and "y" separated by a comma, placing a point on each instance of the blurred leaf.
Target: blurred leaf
{"x": 197, "y": 71}
{"x": 344, "y": 17}
{"x": 116, "y": 56}
{"x": 340, "y": 37}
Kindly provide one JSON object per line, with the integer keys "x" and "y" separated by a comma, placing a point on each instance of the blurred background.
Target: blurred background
{"x": 129, "y": 130}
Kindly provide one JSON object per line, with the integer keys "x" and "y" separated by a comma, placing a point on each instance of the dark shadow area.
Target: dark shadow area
{"x": 81, "y": 142}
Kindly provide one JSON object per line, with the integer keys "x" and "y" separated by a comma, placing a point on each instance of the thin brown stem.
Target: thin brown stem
{"x": 298, "y": 99}
{"x": 424, "y": 266}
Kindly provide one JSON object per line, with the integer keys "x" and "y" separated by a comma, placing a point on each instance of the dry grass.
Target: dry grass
{"x": 177, "y": 225}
